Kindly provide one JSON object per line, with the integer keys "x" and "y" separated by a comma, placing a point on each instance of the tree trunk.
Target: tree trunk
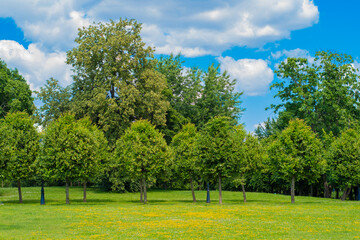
{"x": 220, "y": 192}
{"x": 337, "y": 194}
{"x": 327, "y": 192}
{"x": 293, "y": 189}
{"x": 145, "y": 193}
{"x": 345, "y": 193}
{"x": 84, "y": 200}
{"x": 141, "y": 192}
{"x": 192, "y": 189}
{"x": 243, "y": 190}
{"x": 67, "y": 191}
{"x": 311, "y": 190}
{"x": 19, "y": 190}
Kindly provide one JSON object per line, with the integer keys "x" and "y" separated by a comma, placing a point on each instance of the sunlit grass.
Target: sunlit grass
{"x": 171, "y": 214}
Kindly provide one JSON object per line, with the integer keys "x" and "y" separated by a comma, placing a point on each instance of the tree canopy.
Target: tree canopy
{"x": 15, "y": 93}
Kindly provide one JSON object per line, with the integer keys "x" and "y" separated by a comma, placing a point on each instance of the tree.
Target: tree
{"x": 248, "y": 155}
{"x": 215, "y": 149}
{"x": 218, "y": 97}
{"x": 325, "y": 94}
{"x": 197, "y": 95}
{"x": 295, "y": 154}
{"x": 15, "y": 93}
{"x": 142, "y": 153}
{"x": 19, "y": 147}
{"x": 344, "y": 161}
{"x": 185, "y": 163}
{"x": 113, "y": 71}
{"x": 72, "y": 150}
{"x": 55, "y": 99}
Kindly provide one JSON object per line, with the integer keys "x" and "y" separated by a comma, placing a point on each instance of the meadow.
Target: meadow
{"x": 172, "y": 215}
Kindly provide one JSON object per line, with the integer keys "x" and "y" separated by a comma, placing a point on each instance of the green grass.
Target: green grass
{"x": 171, "y": 214}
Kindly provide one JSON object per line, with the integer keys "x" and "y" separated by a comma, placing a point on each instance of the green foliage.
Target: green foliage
{"x": 325, "y": 94}
{"x": 72, "y": 150}
{"x": 183, "y": 145}
{"x": 218, "y": 97}
{"x": 297, "y": 152}
{"x": 111, "y": 65}
{"x": 141, "y": 153}
{"x": 249, "y": 155}
{"x": 55, "y": 99}
{"x": 215, "y": 148}
{"x": 344, "y": 159}
{"x": 15, "y": 93}
{"x": 19, "y": 145}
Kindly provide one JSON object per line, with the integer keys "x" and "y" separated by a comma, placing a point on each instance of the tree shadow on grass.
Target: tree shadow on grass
{"x": 25, "y": 201}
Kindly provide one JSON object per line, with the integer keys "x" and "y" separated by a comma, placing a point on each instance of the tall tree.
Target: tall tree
{"x": 72, "y": 150}
{"x": 215, "y": 149}
{"x": 344, "y": 161}
{"x": 55, "y": 99}
{"x": 112, "y": 69}
{"x": 15, "y": 93}
{"x": 143, "y": 153}
{"x": 19, "y": 147}
{"x": 295, "y": 154}
{"x": 325, "y": 94}
{"x": 185, "y": 162}
{"x": 218, "y": 97}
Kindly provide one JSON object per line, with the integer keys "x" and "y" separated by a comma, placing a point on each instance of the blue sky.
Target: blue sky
{"x": 248, "y": 37}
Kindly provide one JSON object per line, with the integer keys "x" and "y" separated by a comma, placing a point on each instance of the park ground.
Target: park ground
{"x": 172, "y": 215}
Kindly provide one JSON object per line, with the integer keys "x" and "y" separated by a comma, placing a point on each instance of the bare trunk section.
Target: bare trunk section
{"x": 141, "y": 192}
{"x": 145, "y": 193}
{"x": 19, "y": 190}
{"x": 220, "y": 192}
{"x": 327, "y": 192}
{"x": 84, "y": 200}
{"x": 293, "y": 189}
{"x": 244, "y": 193}
{"x": 346, "y": 192}
{"x": 192, "y": 189}
{"x": 67, "y": 191}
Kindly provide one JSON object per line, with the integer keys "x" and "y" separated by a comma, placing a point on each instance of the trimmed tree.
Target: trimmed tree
{"x": 143, "y": 153}
{"x": 19, "y": 145}
{"x": 72, "y": 150}
{"x": 248, "y": 153}
{"x": 295, "y": 154}
{"x": 344, "y": 161}
{"x": 215, "y": 149}
{"x": 185, "y": 163}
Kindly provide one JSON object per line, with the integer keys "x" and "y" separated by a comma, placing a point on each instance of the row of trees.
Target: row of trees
{"x": 130, "y": 121}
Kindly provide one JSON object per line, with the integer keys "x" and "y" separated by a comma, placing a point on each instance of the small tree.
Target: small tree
{"x": 19, "y": 144}
{"x": 143, "y": 153}
{"x": 215, "y": 146}
{"x": 183, "y": 144}
{"x": 72, "y": 150}
{"x": 344, "y": 161}
{"x": 248, "y": 153}
{"x": 296, "y": 154}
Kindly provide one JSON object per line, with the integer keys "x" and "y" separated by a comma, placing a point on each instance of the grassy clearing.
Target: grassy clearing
{"x": 171, "y": 214}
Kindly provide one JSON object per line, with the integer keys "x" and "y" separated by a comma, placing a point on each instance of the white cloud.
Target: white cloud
{"x": 294, "y": 53}
{"x": 35, "y": 65}
{"x": 194, "y": 28}
{"x": 253, "y": 76}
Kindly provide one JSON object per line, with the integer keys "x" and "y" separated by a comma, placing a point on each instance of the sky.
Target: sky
{"x": 248, "y": 38}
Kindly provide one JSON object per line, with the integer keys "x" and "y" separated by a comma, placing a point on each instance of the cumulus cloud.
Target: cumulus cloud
{"x": 294, "y": 53}
{"x": 35, "y": 65}
{"x": 194, "y": 28}
{"x": 253, "y": 76}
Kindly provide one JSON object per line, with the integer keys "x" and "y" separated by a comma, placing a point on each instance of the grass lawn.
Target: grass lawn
{"x": 171, "y": 214}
